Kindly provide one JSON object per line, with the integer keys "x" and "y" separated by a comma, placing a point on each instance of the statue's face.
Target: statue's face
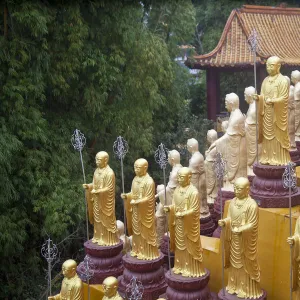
{"x": 109, "y": 289}
{"x": 101, "y": 161}
{"x": 68, "y": 271}
{"x": 170, "y": 159}
{"x": 228, "y": 105}
{"x": 272, "y": 68}
{"x": 241, "y": 190}
{"x": 183, "y": 179}
{"x": 140, "y": 169}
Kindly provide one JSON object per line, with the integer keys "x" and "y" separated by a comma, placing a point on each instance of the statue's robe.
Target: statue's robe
{"x": 241, "y": 249}
{"x": 115, "y": 297}
{"x": 210, "y": 174}
{"x": 71, "y": 289}
{"x": 232, "y": 146}
{"x": 296, "y": 260}
{"x": 101, "y": 207}
{"x": 144, "y": 238}
{"x": 297, "y": 110}
{"x": 185, "y": 239}
{"x": 273, "y": 121}
{"x": 291, "y": 114}
{"x": 196, "y": 164}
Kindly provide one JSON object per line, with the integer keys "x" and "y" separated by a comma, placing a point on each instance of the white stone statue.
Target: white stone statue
{"x": 232, "y": 145}
{"x": 295, "y": 78}
{"x": 124, "y": 238}
{"x": 161, "y": 225}
{"x": 250, "y": 128}
{"x": 196, "y": 164}
{"x": 291, "y": 114}
{"x": 224, "y": 126}
{"x": 210, "y": 157}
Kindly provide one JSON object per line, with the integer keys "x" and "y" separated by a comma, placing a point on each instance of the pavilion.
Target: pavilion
{"x": 278, "y": 29}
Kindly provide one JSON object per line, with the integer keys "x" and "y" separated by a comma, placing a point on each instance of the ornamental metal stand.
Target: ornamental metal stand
{"x": 120, "y": 149}
{"x": 78, "y": 141}
{"x": 87, "y": 272}
{"x": 49, "y": 251}
{"x": 220, "y": 170}
{"x": 289, "y": 181}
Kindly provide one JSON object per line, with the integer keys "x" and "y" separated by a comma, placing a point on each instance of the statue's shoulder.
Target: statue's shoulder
{"x": 193, "y": 190}
{"x": 110, "y": 171}
{"x": 252, "y": 202}
{"x": 149, "y": 179}
{"x": 78, "y": 283}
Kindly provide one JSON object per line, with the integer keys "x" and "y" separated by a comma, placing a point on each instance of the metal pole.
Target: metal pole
{"x": 256, "y": 106}
{"x": 290, "y": 211}
{"x": 49, "y": 268}
{"x": 221, "y": 205}
{"x": 123, "y": 190}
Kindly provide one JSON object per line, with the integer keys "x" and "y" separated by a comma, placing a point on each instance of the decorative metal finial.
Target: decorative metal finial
{"x": 289, "y": 178}
{"x": 120, "y": 147}
{"x": 78, "y": 140}
{"x": 161, "y": 156}
{"x": 134, "y": 290}
{"x": 253, "y": 40}
{"x": 49, "y": 251}
{"x": 219, "y": 166}
{"x": 86, "y": 272}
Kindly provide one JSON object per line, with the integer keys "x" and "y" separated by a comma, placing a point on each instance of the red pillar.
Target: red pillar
{"x": 212, "y": 93}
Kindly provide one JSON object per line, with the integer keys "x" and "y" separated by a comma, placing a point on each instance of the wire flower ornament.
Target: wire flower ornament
{"x": 120, "y": 147}
{"x": 86, "y": 272}
{"x": 219, "y": 166}
{"x": 134, "y": 290}
{"x": 78, "y": 140}
{"x": 289, "y": 178}
{"x": 161, "y": 156}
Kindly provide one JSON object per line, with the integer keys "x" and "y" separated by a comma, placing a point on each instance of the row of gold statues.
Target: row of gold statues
{"x": 189, "y": 191}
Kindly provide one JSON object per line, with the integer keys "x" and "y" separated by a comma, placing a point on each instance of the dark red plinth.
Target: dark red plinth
{"x": 165, "y": 250}
{"x": 267, "y": 187}
{"x": 188, "y": 288}
{"x": 226, "y": 195}
{"x": 295, "y": 155}
{"x": 207, "y": 226}
{"x": 149, "y": 272}
{"x": 250, "y": 178}
{"x": 104, "y": 261}
{"x": 227, "y": 296}
{"x": 298, "y": 145}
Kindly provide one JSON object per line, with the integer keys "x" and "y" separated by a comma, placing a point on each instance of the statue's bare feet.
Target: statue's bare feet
{"x": 132, "y": 253}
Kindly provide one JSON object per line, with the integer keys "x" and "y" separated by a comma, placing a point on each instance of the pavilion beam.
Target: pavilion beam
{"x": 213, "y": 93}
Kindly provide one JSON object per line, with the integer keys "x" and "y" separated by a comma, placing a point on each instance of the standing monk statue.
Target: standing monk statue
{"x": 142, "y": 206}
{"x": 295, "y": 78}
{"x": 273, "y": 116}
{"x": 291, "y": 114}
{"x": 295, "y": 242}
{"x": 184, "y": 218}
{"x": 100, "y": 195}
{"x": 240, "y": 238}
{"x": 71, "y": 287}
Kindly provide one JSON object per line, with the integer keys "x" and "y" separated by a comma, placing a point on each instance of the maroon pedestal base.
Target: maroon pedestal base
{"x": 188, "y": 288}
{"x": 298, "y": 145}
{"x": 267, "y": 187}
{"x": 226, "y": 195}
{"x": 250, "y": 178}
{"x": 207, "y": 226}
{"x": 104, "y": 261}
{"x": 165, "y": 250}
{"x": 227, "y": 296}
{"x": 149, "y": 272}
{"x": 295, "y": 155}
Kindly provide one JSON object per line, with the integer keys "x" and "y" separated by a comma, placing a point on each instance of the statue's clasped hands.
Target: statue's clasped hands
{"x": 291, "y": 240}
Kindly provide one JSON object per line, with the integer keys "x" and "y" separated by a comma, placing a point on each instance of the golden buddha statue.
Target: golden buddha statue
{"x": 184, "y": 222}
{"x": 232, "y": 145}
{"x": 294, "y": 241}
{"x": 71, "y": 287}
{"x": 295, "y": 78}
{"x": 210, "y": 157}
{"x": 196, "y": 165}
{"x": 291, "y": 115}
{"x": 250, "y": 128}
{"x": 273, "y": 116}
{"x": 142, "y": 208}
{"x": 100, "y": 197}
{"x": 240, "y": 235}
{"x": 110, "y": 286}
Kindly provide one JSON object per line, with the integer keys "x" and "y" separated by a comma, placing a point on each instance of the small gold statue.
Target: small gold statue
{"x": 295, "y": 242}
{"x": 232, "y": 145}
{"x": 196, "y": 165}
{"x": 295, "y": 78}
{"x": 273, "y": 116}
{"x": 250, "y": 128}
{"x": 142, "y": 202}
{"x": 110, "y": 286}
{"x": 240, "y": 238}
{"x": 71, "y": 287}
{"x": 184, "y": 221}
{"x": 100, "y": 197}
{"x": 291, "y": 114}
{"x": 210, "y": 157}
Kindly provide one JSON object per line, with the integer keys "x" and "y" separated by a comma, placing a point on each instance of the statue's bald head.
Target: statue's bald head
{"x": 140, "y": 167}
{"x": 241, "y": 187}
{"x": 110, "y": 286}
{"x": 69, "y": 268}
{"x": 192, "y": 145}
{"x": 232, "y": 101}
{"x": 212, "y": 136}
{"x": 184, "y": 176}
{"x": 173, "y": 157}
{"x": 102, "y": 158}
{"x": 273, "y": 65}
{"x": 295, "y": 76}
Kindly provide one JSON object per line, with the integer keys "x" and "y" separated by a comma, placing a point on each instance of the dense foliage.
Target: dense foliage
{"x": 108, "y": 69}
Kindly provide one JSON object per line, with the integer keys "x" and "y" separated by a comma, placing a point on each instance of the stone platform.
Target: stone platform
{"x": 267, "y": 187}
{"x": 149, "y": 272}
{"x": 226, "y": 296}
{"x": 104, "y": 261}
